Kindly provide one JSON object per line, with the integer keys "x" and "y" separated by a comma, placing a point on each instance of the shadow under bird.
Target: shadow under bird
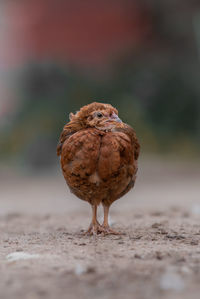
{"x": 99, "y": 155}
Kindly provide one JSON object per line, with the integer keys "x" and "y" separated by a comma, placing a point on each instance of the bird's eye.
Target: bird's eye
{"x": 99, "y": 114}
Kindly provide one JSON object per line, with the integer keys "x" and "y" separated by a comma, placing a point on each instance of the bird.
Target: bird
{"x": 99, "y": 159}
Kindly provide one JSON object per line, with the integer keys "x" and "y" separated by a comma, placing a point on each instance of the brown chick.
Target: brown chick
{"x": 99, "y": 156}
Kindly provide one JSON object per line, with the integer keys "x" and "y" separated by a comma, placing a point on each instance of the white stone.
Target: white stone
{"x": 170, "y": 280}
{"x": 20, "y": 255}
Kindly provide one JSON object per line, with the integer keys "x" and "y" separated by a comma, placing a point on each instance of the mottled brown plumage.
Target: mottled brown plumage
{"x": 99, "y": 156}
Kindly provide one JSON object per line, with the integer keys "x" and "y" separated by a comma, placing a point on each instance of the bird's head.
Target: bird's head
{"x": 97, "y": 115}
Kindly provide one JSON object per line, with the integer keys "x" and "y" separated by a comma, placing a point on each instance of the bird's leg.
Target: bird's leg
{"x": 105, "y": 225}
{"x": 95, "y": 227}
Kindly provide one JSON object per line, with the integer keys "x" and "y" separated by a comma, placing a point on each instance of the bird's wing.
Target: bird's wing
{"x": 68, "y": 130}
{"x": 80, "y": 153}
{"x": 129, "y": 153}
{"x": 126, "y": 129}
{"x": 117, "y": 165}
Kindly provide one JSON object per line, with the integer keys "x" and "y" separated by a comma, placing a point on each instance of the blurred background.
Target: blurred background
{"x": 143, "y": 57}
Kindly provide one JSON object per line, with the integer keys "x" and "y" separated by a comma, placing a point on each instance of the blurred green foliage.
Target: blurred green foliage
{"x": 161, "y": 106}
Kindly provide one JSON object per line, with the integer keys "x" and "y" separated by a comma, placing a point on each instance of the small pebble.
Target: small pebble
{"x": 194, "y": 242}
{"x": 16, "y": 256}
{"x": 171, "y": 281}
{"x": 81, "y": 269}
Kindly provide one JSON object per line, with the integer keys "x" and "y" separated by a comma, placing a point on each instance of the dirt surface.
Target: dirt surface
{"x": 43, "y": 253}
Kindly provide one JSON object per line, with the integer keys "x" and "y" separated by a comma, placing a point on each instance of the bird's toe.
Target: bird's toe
{"x": 108, "y": 231}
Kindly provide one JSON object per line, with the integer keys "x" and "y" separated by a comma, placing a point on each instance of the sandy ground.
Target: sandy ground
{"x": 43, "y": 253}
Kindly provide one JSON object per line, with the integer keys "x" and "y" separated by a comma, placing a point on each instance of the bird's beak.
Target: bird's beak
{"x": 114, "y": 117}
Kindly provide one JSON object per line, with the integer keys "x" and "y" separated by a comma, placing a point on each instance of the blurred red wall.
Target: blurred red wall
{"x": 80, "y": 32}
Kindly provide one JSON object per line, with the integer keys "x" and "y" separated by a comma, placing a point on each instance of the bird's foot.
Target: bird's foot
{"x": 98, "y": 229}
{"x": 94, "y": 229}
{"x": 108, "y": 231}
